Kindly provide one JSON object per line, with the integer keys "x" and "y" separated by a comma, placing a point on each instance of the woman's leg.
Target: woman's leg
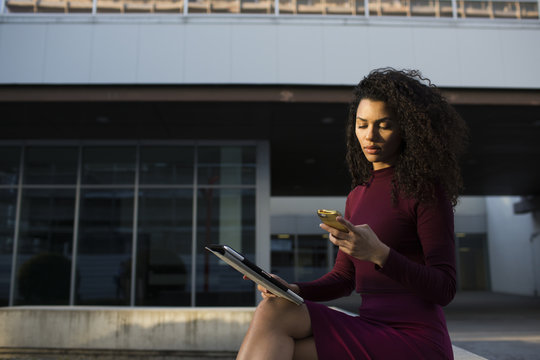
{"x": 305, "y": 349}
{"x": 276, "y": 325}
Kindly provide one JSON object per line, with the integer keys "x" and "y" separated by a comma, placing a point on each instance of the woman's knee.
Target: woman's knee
{"x": 274, "y": 307}
{"x": 277, "y": 312}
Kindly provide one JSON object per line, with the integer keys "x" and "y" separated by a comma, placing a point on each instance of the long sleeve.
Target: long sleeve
{"x": 435, "y": 279}
{"x": 337, "y": 283}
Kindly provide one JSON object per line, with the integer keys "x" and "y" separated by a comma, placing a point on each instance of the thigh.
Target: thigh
{"x": 292, "y": 319}
{"x": 305, "y": 349}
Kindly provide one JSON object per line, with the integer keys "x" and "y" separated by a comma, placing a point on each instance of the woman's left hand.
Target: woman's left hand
{"x": 360, "y": 242}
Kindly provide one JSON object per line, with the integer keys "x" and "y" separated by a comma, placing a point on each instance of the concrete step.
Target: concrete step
{"x": 63, "y": 332}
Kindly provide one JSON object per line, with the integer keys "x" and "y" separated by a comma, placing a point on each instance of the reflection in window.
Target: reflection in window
{"x": 164, "y": 247}
{"x": 166, "y": 165}
{"x": 9, "y": 166}
{"x": 104, "y": 251}
{"x": 105, "y": 195}
{"x": 45, "y": 247}
{"x": 50, "y": 165}
{"x": 225, "y": 216}
{"x": 302, "y": 257}
{"x": 226, "y": 165}
{"x": 520, "y": 9}
{"x": 108, "y": 165}
{"x": 8, "y": 198}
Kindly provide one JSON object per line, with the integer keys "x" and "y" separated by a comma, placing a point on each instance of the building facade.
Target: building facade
{"x": 129, "y": 141}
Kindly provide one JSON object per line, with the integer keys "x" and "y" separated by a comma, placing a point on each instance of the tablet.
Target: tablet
{"x": 255, "y": 273}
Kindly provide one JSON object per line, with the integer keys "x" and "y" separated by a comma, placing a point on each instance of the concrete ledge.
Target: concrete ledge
{"x": 119, "y": 332}
{"x": 106, "y": 354}
{"x": 462, "y": 354}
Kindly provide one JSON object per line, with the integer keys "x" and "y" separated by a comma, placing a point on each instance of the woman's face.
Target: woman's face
{"x": 378, "y": 134}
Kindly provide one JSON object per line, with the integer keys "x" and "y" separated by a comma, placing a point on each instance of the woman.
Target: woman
{"x": 403, "y": 143}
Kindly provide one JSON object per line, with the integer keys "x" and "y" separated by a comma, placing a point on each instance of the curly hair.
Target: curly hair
{"x": 433, "y": 135}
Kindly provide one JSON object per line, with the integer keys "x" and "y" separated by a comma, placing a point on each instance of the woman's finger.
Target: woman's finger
{"x": 347, "y": 223}
{"x": 333, "y": 231}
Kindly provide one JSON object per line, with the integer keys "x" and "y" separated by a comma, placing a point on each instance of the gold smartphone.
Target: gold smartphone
{"x": 329, "y": 218}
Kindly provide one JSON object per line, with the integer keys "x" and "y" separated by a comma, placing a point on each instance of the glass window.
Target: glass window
{"x": 105, "y": 224}
{"x": 9, "y": 166}
{"x": 50, "y": 165}
{"x": 164, "y": 247}
{"x": 312, "y": 260}
{"x": 166, "y": 165}
{"x": 226, "y": 165}
{"x": 302, "y": 257}
{"x": 472, "y": 260}
{"x": 282, "y": 256}
{"x": 45, "y": 247}
{"x": 224, "y": 216}
{"x": 108, "y": 165}
{"x": 8, "y": 200}
{"x": 104, "y": 249}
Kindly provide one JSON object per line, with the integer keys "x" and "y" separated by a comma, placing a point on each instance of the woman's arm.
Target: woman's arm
{"x": 435, "y": 280}
{"x": 337, "y": 283}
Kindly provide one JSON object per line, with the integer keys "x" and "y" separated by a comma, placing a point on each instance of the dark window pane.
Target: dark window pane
{"x": 45, "y": 247}
{"x": 301, "y": 258}
{"x": 164, "y": 248}
{"x": 312, "y": 257}
{"x": 473, "y": 264}
{"x": 9, "y": 166}
{"x": 224, "y": 217}
{"x": 104, "y": 250}
{"x": 166, "y": 165}
{"x": 50, "y": 165}
{"x": 282, "y": 256}
{"x": 226, "y": 165}
{"x": 108, "y": 165}
{"x": 8, "y": 199}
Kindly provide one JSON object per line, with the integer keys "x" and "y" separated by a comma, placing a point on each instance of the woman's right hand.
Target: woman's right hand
{"x": 265, "y": 293}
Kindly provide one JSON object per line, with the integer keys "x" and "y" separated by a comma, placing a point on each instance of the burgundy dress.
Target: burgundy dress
{"x": 401, "y": 315}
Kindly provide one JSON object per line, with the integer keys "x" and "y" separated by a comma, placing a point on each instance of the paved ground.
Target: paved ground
{"x": 495, "y": 326}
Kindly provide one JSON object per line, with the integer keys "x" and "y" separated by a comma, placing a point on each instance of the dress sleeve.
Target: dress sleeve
{"x": 435, "y": 280}
{"x": 337, "y": 283}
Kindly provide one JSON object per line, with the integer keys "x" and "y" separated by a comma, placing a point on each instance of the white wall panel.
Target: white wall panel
{"x": 391, "y": 46}
{"x": 346, "y": 47}
{"x": 254, "y": 54}
{"x": 265, "y": 50}
{"x": 22, "y": 53}
{"x": 114, "y": 53}
{"x": 208, "y": 53}
{"x": 161, "y": 54}
{"x": 480, "y": 57}
{"x": 435, "y": 53}
{"x": 68, "y": 54}
{"x": 300, "y": 54}
{"x": 521, "y": 62}
{"x": 511, "y": 253}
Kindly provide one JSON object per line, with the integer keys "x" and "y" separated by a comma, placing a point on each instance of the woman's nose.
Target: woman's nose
{"x": 371, "y": 134}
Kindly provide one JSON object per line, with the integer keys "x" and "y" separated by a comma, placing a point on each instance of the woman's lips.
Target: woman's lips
{"x": 372, "y": 150}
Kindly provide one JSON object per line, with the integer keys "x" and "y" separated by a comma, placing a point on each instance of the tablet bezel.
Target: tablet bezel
{"x": 254, "y": 272}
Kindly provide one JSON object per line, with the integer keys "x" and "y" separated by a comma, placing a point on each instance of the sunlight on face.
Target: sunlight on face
{"x": 378, "y": 134}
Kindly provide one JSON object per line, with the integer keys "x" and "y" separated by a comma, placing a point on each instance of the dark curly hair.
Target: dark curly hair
{"x": 433, "y": 135}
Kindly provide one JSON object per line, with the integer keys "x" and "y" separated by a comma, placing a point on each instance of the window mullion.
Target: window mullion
{"x": 16, "y": 230}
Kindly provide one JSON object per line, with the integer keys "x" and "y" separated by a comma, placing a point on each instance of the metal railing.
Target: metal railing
{"x": 491, "y": 9}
